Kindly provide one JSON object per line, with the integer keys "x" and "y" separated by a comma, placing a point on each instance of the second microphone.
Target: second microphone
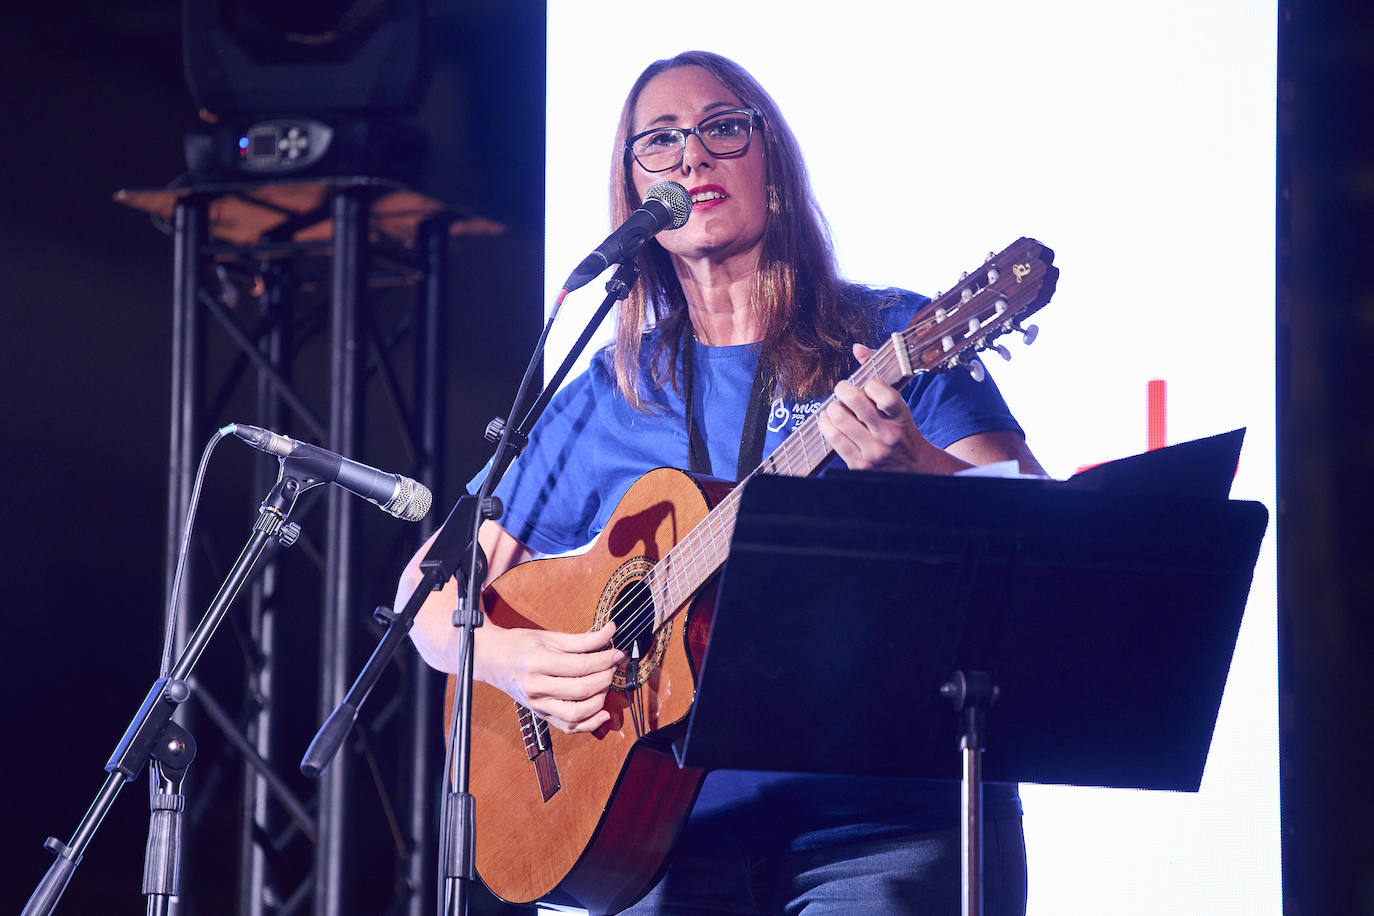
{"x": 400, "y": 496}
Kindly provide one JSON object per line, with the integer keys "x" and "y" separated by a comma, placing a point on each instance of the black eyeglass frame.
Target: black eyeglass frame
{"x": 754, "y": 116}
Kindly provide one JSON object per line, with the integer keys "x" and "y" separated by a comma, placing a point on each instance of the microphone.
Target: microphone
{"x": 666, "y": 206}
{"x": 402, "y": 497}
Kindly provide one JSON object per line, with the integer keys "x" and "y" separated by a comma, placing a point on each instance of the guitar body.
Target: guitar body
{"x": 595, "y": 827}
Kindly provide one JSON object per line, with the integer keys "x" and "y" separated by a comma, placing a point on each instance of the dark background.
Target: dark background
{"x": 94, "y": 100}
{"x": 96, "y": 97}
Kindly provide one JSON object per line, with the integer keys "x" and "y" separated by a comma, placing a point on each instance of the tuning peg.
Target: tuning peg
{"x": 966, "y": 295}
{"x": 975, "y": 369}
{"x": 1001, "y": 351}
{"x": 1028, "y": 333}
{"x": 992, "y": 275}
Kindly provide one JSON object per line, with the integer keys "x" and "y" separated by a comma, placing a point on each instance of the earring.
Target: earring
{"x": 774, "y": 201}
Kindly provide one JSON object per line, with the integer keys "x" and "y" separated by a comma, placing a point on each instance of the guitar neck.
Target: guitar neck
{"x": 985, "y": 304}
{"x": 684, "y": 569}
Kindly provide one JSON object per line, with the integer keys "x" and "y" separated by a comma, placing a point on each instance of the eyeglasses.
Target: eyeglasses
{"x": 726, "y": 133}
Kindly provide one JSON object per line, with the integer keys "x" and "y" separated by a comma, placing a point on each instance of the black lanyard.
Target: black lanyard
{"x": 755, "y": 418}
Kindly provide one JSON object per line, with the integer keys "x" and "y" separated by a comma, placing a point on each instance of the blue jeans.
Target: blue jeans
{"x": 917, "y": 874}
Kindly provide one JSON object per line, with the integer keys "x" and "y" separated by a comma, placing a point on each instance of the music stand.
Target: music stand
{"x": 1105, "y": 609}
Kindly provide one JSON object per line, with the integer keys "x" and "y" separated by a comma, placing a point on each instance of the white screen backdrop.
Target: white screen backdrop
{"x": 1138, "y": 143}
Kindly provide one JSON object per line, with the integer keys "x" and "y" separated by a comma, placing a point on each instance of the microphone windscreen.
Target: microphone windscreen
{"x": 411, "y": 501}
{"x": 675, "y": 197}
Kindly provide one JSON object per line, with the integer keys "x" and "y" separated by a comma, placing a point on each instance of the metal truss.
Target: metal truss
{"x": 332, "y": 286}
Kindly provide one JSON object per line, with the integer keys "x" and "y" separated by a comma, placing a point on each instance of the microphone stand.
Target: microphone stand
{"x": 162, "y": 855}
{"x": 457, "y": 819}
{"x": 152, "y": 733}
{"x": 442, "y": 560}
{"x": 439, "y": 565}
{"x": 456, "y": 551}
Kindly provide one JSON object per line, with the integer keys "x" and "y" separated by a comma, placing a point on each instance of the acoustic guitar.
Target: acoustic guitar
{"x": 590, "y": 819}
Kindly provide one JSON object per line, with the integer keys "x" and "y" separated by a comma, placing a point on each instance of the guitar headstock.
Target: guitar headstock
{"x": 987, "y": 303}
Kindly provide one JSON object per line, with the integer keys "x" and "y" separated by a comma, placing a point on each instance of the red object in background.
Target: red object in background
{"x": 1157, "y": 414}
{"x": 1156, "y": 418}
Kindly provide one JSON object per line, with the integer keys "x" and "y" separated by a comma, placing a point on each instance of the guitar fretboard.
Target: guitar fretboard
{"x": 685, "y": 568}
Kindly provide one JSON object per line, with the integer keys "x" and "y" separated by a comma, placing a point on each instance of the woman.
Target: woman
{"x": 739, "y": 327}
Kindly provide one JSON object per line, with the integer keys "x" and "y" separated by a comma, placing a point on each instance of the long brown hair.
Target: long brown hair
{"x": 808, "y": 314}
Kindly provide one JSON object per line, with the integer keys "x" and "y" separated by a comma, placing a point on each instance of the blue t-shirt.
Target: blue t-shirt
{"x": 590, "y": 446}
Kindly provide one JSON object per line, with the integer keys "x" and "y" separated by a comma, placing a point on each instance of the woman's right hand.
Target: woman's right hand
{"x": 562, "y": 677}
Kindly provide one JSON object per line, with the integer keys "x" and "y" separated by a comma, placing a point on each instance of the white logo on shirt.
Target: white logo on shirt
{"x": 789, "y": 416}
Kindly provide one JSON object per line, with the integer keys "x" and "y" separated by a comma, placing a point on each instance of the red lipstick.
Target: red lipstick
{"x": 706, "y": 196}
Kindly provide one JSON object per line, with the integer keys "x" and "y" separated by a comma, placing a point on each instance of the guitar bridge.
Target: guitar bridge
{"x": 539, "y": 750}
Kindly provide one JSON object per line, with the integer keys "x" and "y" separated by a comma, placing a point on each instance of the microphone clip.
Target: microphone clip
{"x": 621, "y": 281}
{"x": 294, "y": 477}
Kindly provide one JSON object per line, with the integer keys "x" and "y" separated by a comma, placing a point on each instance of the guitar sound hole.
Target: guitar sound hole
{"x": 633, "y": 614}
{"x": 628, "y": 601}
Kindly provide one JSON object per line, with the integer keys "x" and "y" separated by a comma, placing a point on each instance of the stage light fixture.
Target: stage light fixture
{"x": 263, "y": 57}
{"x": 308, "y": 88}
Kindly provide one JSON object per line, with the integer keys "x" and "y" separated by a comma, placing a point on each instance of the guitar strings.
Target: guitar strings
{"x": 925, "y": 329}
{"x": 924, "y": 332}
{"x": 690, "y": 550}
{"x": 795, "y": 452}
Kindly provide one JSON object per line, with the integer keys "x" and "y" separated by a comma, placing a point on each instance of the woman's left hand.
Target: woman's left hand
{"x": 871, "y": 429}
